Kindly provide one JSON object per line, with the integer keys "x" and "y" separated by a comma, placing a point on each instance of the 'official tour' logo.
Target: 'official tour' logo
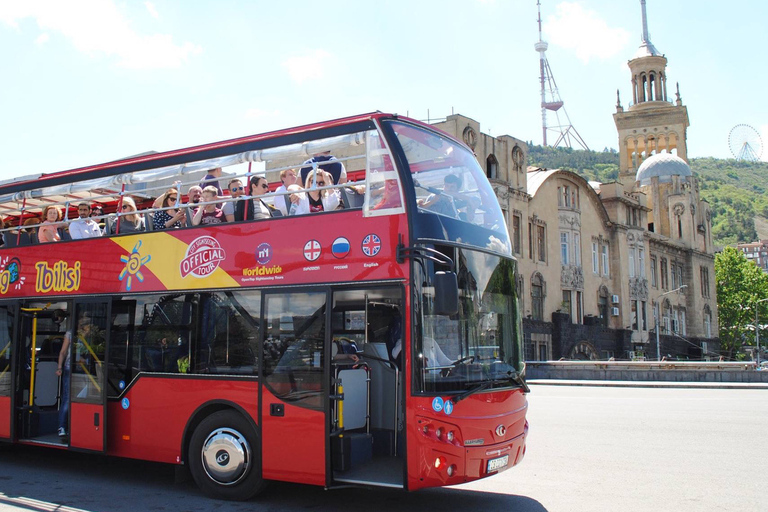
{"x": 203, "y": 257}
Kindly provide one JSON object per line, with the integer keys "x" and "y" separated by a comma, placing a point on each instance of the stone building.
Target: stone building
{"x": 601, "y": 265}
{"x": 757, "y": 252}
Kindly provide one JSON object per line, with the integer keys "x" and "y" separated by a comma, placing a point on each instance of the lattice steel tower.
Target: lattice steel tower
{"x": 550, "y": 100}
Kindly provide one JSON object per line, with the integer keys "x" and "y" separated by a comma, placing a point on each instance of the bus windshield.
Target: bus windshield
{"x": 448, "y": 179}
{"x": 479, "y": 345}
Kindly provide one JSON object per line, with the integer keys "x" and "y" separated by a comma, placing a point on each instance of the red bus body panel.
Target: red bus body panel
{"x": 293, "y": 445}
{"x": 476, "y": 419}
{"x": 5, "y": 417}
{"x": 159, "y": 409}
{"x": 287, "y": 251}
{"x": 87, "y": 426}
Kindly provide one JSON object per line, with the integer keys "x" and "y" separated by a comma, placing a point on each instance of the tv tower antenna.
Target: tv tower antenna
{"x": 550, "y": 100}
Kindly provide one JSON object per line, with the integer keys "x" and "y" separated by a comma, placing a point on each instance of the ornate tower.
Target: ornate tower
{"x": 652, "y": 124}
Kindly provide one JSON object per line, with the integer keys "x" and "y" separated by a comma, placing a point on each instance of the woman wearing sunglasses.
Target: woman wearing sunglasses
{"x": 256, "y": 207}
{"x": 130, "y": 220}
{"x": 319, "y": 200}
{"x": 172, "y": 217}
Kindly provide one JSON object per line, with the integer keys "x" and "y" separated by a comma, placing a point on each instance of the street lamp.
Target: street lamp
{"x": 656, "y": 318}
{"x": 757, "y": 330}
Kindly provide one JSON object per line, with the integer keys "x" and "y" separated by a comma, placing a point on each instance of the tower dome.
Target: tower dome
{"x": 663, "y": 165}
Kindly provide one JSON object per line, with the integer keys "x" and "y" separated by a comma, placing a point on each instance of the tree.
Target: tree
{"x": 740, "y": 284}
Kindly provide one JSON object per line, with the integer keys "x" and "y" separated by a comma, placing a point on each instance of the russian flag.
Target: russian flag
{"x": 340, "y": 247}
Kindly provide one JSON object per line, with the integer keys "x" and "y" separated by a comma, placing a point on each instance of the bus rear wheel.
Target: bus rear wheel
{"x": 222, "y": 455}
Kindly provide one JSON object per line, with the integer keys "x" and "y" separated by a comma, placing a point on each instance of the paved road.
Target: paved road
{"x": 590, "y": 449}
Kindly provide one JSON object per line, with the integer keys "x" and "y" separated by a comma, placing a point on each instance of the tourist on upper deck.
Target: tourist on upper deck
{"x": 442, "y": 202}
{"x": 49, "y": 230}
{"x": 130, "y": 220}
{"x": 84, "y": 226}
{"x": 287, "y": 177}
{"x": 328, "y": 163}
{"x": 173, "y": 217}
{"x": 212, "y": 178}
{"x": 236, "y": 190}
{"x": 193, "y": 194}
{"x": 257, "y": 208}
{"x": 321, "y": 200}
{"x": 209, "y": 213}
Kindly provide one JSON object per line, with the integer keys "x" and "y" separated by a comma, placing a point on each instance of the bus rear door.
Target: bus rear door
{"x": 8, "y": 314}
{"x": 89, "y": 376}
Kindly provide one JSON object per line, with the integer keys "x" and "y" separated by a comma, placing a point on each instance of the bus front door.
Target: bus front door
{"x": 293, "y": 398}
{"x": 87, "y": 382}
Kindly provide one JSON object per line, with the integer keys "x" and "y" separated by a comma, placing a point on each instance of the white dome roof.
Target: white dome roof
{"x": 663, "y": 165}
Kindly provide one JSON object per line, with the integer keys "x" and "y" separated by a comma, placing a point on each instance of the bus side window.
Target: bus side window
{"x": 229, "y": 333}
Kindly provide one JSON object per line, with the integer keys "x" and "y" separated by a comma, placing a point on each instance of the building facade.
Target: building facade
{"x": 756, "y": 252}
{"x": 611, "y": 270}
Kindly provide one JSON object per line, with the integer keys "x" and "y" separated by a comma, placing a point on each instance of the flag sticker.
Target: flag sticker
{"x": 340, "y": 247}
{"x": 312, "y": 250}
{"x": 371, "y": 245}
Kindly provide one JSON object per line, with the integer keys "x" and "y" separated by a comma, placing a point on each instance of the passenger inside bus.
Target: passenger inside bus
{"x": 327, "y": 163}
{"x": 130, "y": 220}
{"x": 236, "y": 190}
{"x": 209, "y": 213}
{"x": 321, "y": 200}
{"x": 84, "y": 226}
{"x": 442, "y": 202}
{"x": 287, "y": 178}
{"x": 173, "y": 217}
{"x": 193, "y": 194}
{"x": 212, "y": 179}
{"x": 48, "y": 231}
{"x": 256, "y": 208}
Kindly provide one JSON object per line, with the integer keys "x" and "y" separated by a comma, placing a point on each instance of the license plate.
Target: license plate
{"x": 497, "y": 464}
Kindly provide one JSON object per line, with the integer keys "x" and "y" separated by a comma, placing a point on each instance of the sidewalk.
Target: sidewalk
{"x": 648, "y": 384}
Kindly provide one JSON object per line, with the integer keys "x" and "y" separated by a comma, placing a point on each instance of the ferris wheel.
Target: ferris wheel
{"x": 745, "y": 143}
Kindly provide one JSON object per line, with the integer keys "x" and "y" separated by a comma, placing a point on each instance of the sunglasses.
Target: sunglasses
{"x": 125, "y": 206}
{"x": 235, "y": 189}
{"x": 321, "y": 183}
{"x": 172, "y": 198}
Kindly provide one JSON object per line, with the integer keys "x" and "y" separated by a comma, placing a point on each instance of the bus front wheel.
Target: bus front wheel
{"x": 223, "y": 459}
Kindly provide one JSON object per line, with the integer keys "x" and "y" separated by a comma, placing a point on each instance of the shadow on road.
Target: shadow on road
{"x": 38, "y": 479}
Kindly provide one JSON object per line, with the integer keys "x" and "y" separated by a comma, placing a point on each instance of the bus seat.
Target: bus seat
{"x": 9, "y": 239}
{"x": 352, "y": 199}
{"x": 33, "y": 238}
{"x": 64, "y": 234}
{"x": 109, "y": 224}
{"x": 355, "y": 385}
{"x": 46, "y": 383}
{"x": 149, "y": 221}
{"x": 189, "y": 216}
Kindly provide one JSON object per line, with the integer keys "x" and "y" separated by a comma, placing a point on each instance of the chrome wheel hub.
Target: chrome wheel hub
{"x": 226, "y": 456}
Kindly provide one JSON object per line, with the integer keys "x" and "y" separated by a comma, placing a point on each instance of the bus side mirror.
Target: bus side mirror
{"x": 446, "y": 293}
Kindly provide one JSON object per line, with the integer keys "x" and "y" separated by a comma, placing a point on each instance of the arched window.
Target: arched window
{"x": 707, "y": 321}
{"x": 537, "y": 296}
{"x": 492, "y": 167}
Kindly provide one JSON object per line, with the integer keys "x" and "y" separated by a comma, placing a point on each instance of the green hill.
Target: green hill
{"x": 735, "y": 190}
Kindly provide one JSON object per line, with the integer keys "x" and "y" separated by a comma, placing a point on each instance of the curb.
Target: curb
{"x": 648, "y": 384}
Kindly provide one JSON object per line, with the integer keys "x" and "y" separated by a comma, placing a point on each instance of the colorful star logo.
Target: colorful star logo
{"x": 133, "y": 263}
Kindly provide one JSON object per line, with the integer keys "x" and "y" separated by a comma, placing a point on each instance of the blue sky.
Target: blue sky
{"x": 87, "y": 81}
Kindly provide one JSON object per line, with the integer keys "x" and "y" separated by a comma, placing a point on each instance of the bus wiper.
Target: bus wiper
{"x": 517, "y": 379}
{"x": 480, "y": 387}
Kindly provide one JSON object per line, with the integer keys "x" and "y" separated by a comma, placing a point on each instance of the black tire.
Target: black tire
{"x": 223, "y": 457}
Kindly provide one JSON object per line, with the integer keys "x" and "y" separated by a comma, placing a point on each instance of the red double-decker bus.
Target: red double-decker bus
{"x": 373, "y": 338}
